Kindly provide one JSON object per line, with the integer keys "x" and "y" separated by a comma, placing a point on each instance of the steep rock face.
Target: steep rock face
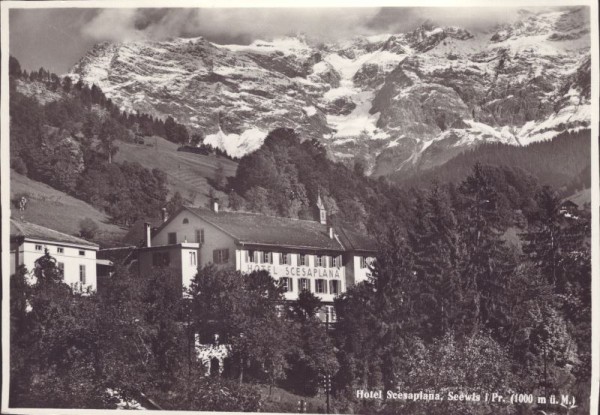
{"x": 396, "y": 101}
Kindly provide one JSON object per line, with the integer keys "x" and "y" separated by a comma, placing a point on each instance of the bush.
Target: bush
{"x": 211, "y": 394}
{"x": 88, "y": 228}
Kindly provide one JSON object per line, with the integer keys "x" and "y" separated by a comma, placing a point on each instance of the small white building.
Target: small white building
{"x": 302, "y": 254}
{"x": 76, "y": 257}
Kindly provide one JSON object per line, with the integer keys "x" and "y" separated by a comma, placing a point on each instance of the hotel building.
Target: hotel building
{"x": 302, "y": 254}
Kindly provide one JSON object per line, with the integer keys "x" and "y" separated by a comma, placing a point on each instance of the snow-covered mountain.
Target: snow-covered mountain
{"x": 397, "y": 101}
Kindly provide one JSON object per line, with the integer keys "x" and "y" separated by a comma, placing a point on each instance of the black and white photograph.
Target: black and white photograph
{"x": 282, "y": 207}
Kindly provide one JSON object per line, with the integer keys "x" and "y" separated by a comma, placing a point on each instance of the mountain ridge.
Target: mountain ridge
{"x": 398, "y": 102}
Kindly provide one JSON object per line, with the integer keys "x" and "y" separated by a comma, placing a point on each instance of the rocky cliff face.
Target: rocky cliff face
{"x": 397, "y": 101}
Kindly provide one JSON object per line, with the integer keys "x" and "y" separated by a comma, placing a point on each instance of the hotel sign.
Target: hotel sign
{"x": 300, "y": 271}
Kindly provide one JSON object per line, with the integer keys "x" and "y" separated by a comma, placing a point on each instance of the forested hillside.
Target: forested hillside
{"x": 557, "y": 162}
{"x": 286, "y": 175}
{"x": 67, "y": 136}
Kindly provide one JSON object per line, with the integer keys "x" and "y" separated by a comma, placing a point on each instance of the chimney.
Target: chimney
{"x": 148, "y": 233}
{"x": 164, "y": 214}
{"x": 215, "y": 206}
{"x": 331, "y": 232}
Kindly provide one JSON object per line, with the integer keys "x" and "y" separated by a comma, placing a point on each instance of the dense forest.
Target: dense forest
{"x": 285, "y": 176}
{"x": 453, "y": 306}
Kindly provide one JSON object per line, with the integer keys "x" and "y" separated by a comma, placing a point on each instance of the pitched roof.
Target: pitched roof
{"x": 257, "y": 229}
{"x": 355, "y": 241}
{"x": 32, "y": 231}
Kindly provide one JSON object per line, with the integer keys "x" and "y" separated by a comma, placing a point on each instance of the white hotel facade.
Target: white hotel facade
{"x": 302, "y": 254}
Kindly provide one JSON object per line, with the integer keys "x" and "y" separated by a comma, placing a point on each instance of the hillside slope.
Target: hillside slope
{"x": 187, "y": 173}
{"x": 558, "y": 162}
{"x": 54, "y": 209}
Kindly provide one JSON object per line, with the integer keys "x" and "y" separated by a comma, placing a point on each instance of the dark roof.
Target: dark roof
{"x": 32, "y": 231}
{"x": 355, "y": 241}
{"x": 257, "y": 229}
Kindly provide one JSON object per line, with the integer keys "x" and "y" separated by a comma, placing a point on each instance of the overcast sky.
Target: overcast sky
{"x": 57, "y": 38}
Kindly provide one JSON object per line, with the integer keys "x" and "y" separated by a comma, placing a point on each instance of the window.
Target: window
{"x": 81, "y": 253}
{"x": 60, "y": 250}
{"x": 161, "y": 259}
{"x": 303, "y": 259}
{"x": 320, "y": 286}
{"x": 304, "y": 284}
{"x": 336, "y": 261}
{"x": 363, "y": 262}
{"x": 287, "y": 284}
{"x": 82, "y": 274}
{"x": 38, "y": 247}
{"x": 221, "y": 256}
{"x": 250, "y": 257}
{"x": 172, "y": 238}
{"x": 284, "y": 259}
{"x": 200, "y": 236}
{"x": 192, "y": 258}
{"x": 267, "y": 258}
{"x": 319, "y": 261}
{"x": 330, "y": 312}
{"x": 334, "y": 287}
{"x": 61, "y": 268}
{"x": 186, "y": 221}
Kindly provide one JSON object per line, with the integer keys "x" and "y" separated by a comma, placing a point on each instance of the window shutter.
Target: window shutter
{"x": 82, "y": 274}
{"x": 334, "y": 287}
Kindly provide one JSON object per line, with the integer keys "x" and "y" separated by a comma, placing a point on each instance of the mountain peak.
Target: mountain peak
{"x": 396, "y": 100}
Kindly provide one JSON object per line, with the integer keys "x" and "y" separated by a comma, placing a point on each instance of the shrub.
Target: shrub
{"x": 88, "y": 228}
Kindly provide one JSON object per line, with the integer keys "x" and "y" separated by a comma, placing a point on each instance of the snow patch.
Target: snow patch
{"x": 310, "y": 110}
{"x": 435, "y": 31}
{"x": 556, "y": 123}
{"x": 286, "y": 45}
{"x": 237, "y": 145}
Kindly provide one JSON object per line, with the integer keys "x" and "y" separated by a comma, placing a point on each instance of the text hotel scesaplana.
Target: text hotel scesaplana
{"x": 293, "y": 271}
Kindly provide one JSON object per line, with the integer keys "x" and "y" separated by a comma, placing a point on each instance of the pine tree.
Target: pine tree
{"x": 486, "y": 256}
{"x": 435, "y": 245}
{"x": 396, "y": 295}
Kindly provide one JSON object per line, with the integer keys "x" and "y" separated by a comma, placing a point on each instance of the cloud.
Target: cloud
{"x": 113, "y": 25}
{"x": 395, "y": 20}
{"x": 243, "y": 25}
{"x": 228, "y": 25}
